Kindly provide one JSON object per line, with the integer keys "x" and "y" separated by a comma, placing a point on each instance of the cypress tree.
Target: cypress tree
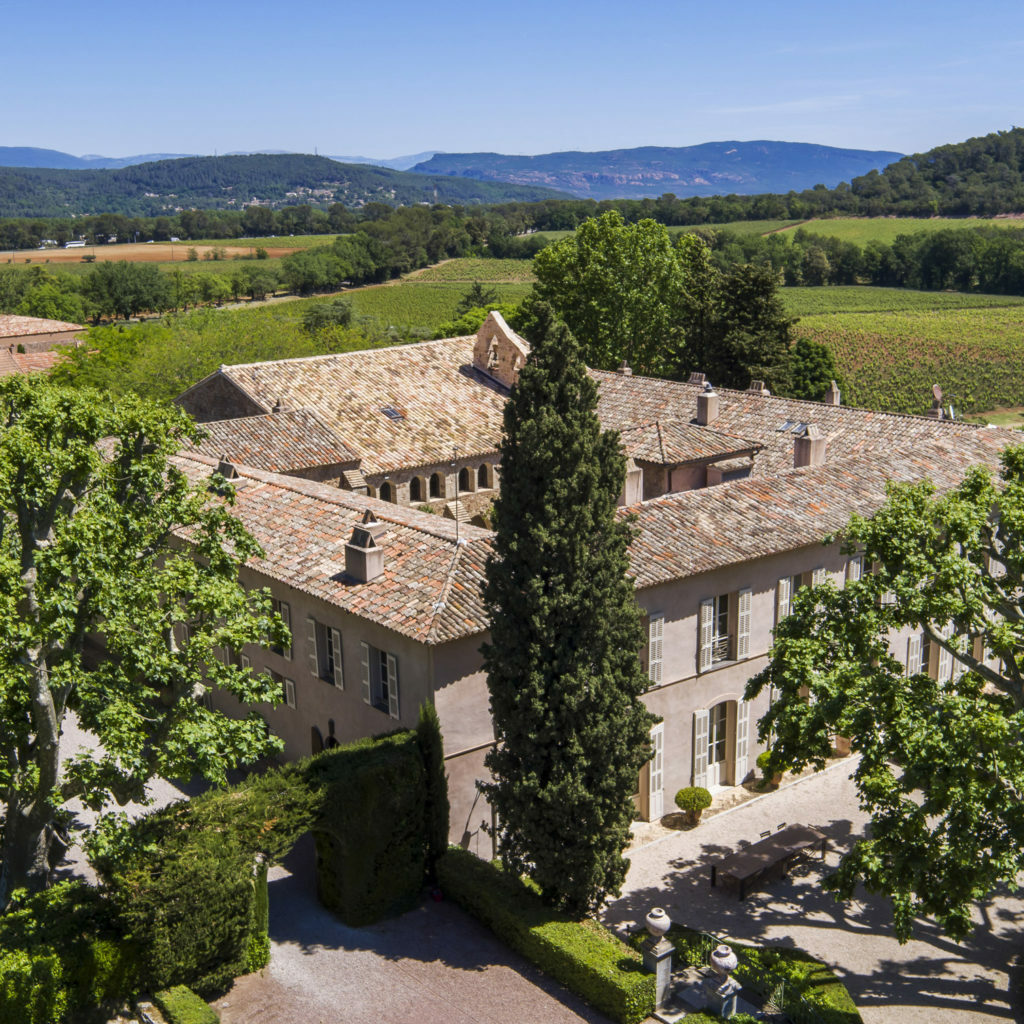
{"x": 562, "y": 667}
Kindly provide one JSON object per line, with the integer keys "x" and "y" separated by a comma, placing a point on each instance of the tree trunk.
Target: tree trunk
{"x": 25, "y": 853}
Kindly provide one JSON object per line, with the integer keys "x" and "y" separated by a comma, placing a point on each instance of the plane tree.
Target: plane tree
{"x": 938, "y": 729}
{"x": 119, "y": 596}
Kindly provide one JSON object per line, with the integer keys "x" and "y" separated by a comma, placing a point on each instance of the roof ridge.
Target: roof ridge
{"x": 442, "y": 599}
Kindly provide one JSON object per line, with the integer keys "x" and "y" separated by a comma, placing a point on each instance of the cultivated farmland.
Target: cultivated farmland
{"x": 421, "y": 307}
{"x": 867, "y": 299}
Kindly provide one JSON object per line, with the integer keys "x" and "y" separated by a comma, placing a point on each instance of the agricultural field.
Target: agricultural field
{"x": 420, "y": 306}
{"x": 469, "y": 270}
{"x": 867, "y": 299}
{"x": 890, "y": 360}
{"x": 288, "y": 242}
{"x": 139, "y": 252}
{"x": 742, "y": 227}
{"x": 886, "y": 229}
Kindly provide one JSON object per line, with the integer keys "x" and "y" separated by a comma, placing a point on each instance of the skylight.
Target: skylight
{"x": 392, "y": 413}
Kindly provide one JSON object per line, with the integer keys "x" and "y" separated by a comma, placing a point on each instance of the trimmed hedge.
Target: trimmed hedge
{"x": 180, "y": 1005}
{"x": 582, "y": 955}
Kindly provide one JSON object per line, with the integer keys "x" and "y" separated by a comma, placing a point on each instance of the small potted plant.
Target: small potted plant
{"x": 772, "y": 776}
{"x": 692, "y": 801}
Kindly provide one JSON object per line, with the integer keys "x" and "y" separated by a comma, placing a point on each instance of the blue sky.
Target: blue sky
{"x": 384, "y": 79}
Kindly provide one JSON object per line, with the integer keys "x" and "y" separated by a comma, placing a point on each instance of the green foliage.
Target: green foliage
{"x": 428, "y": 733}
{"x": 94, "y": 513}
{"x": 125, "y": 289}
{"x": 487, "y": 271}
{"x": 180, "y": 1005}
{"x": 476, "y": 297}
{"x": 564, "y": 678}
{"x": 941, "y": 765}
{"x": 693, "y": 798}
{"x": 258, "y": 952}
{"x": 336, "y": 313}
{"x": 471, "y": 321}
{"x": 580, "y": 954}
{"x": 812, "y": 368}
{"x": 809, "y": 302}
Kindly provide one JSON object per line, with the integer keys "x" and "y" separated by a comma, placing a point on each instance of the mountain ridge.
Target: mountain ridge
{"x": 710, "y": 168}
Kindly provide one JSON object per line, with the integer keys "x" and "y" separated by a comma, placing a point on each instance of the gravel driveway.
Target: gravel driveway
{"x": 930, "y": 980}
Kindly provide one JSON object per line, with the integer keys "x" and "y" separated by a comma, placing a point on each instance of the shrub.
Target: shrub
{"x": 180, "y": 1005}
{"x": 582, "y": 955}
{"x": 693, "y": 800}
{"x": 428, "y": 732}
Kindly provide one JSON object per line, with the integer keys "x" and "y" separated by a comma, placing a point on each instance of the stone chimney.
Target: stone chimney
{"x": 707, "y": 405}
{"x": 696, "y": 378}
{"x": 282, "y": 404}
{"x": 832, "y": 396}
{"x": 364, "y": 553}
{"x": 757, "y": 388}
{"x": 809, "y": 448}
{"x": 226, "y": 468}
{"x": 625, "y": 369}
{"x": 935, "y": 412}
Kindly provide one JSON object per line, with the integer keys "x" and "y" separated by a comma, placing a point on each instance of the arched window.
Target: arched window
{"x": 371, "y": 491}
{"x": 483, "y": 476}
{"x": 416, "y": 489}
{"x": 465, "y": 479}
{"x": 387, "y": 491}
{"x": 436, "y": 485}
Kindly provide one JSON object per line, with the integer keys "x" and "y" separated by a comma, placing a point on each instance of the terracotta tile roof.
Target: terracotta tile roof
{"x": 26, "y": 362}
{"x": 278, "y": 442}
{"x": 395, "y": 407}
{"x": 430, "y": 589}
{"x": 626, "y": 400}
{"x": 12, "y": 326}
{"x": 691, "y": 532}
{"x": 671, "y": 442}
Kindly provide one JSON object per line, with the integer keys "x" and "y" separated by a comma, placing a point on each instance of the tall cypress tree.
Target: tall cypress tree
{"x": 562, "y": 667}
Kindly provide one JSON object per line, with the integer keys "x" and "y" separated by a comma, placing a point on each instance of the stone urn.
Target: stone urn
{"x": 721, "y": 992}
{"x": 658, "y": 923}
{"x": 724, "y": 960}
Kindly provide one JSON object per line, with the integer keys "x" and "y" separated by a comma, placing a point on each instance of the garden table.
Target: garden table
{"x": 768, "y": 859}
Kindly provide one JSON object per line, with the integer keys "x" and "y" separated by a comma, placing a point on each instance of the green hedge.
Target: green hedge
{"x": 582, "y": 955}
{"x": 180, "y": 1005}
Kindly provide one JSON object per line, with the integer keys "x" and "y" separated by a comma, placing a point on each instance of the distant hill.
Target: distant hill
{"x": 399, "y": 163}
{"x": 229, "y": 182}
{"x": 713, "y": 168}
{"x": 30, "y": 156}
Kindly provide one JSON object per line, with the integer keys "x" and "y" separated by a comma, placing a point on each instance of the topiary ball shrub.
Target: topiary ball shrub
{"x": 693, "y": 801}
{"x": 772, "y": 774}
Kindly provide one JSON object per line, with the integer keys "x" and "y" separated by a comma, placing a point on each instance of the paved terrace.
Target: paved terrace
{"x": 930, "y": 980}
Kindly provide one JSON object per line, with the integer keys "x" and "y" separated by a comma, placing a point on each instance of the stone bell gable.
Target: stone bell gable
{"x": 499, "y": 351}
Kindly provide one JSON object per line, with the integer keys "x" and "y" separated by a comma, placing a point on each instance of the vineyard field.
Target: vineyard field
{"x": 890, "y": 360}
{"x": 886, "y": 229}
{"x": 416, "y": 305}
{"x": 471, "y": 269}
{"x": 868, "y": 299}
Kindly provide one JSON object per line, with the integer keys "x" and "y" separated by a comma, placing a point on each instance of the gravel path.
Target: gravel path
{"x": 927, "y": 981}
{"x": 434, "y": 965}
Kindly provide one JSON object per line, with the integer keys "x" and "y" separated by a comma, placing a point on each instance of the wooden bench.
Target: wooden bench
{"x": 768, "y": 859}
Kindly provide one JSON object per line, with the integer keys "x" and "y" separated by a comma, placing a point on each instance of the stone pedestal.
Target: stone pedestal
{"x": 658, "y": 960}
{"x": 720, "y": 995}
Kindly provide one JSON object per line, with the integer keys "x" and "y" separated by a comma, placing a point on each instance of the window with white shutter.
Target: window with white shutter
{"x": 914, "y": 655}
{"x": 289, "y": 693}
{"x": 818, "y": 577}
{"x": 743, "y": 624}
{"x": 742, "y": 740}
{"x": 656, "y": 774}
{"x": 707, "y": 636}
{"x": 244, "y": 662}
{"x": 944, "y": 672}
{"x": 391, "y": 662}
{"x": 700, "y": 748}
{"x": 312, "y": 655}
{"x": 854, "y": 568}
{"x": 364, "y": 668}
{"x": 337, "y": 671}
{"x": 655, "y": 641}
{"x": 783, "y": 591}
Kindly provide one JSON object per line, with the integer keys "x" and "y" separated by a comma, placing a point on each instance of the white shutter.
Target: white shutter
{"x": 286, "y": 618}
{"x": 700, "y": 748}
{"x": 782, "y": 598}
{"x": 244, "y": 662}
{"x": 914, "y": 655}
{"x": 289, "y": 693}
{"x": 364, "y": 666}
{"x": 743, "y": 624}
{"x": 339, "y": 674}
{"x": 392, "y": 686}
{"x": 854, "y": 569}
{"x": 945, "y": 670}
{"x": 742, "y": 740}
{"x": 656, "y": 774}
{"x": 655, "y": 644}
{"x": 818, "y": 577}
{"x": 311, "y": 651}
{"x": 707, "y": 632}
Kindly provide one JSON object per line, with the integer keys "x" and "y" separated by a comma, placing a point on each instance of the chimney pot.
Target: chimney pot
{"x": 707, "y": 405}
{"x": 833, "y": 395}
{"x": 625, "y": 369}
{"x": 809, "y": 448}
{"x": 696, "y": 378}
{"x": 757, "y": 387}
{"x": 364, "y": 555}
